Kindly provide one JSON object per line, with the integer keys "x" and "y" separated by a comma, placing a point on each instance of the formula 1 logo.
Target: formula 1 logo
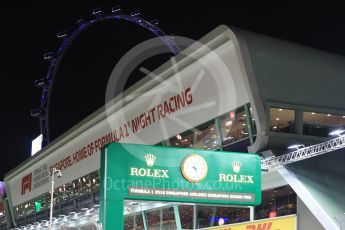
{"x": 26, "y": 183}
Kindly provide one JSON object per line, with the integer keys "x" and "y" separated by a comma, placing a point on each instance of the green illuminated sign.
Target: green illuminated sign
{"x": 140, "y": 172}
{"x": 38, "y": 205}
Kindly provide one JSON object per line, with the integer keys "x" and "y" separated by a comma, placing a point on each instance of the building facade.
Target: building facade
{"x": 235, "y": 91}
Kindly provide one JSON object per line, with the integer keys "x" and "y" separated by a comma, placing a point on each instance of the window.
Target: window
{"x": 161, "y": 219}
{"x": 253, "y": 121}
{"x": 186, "y": 216}
{"x": 184, "y": 140}
{"x": 85, "y": 185}
{"x": 321, "y": 124}
{"x": 95, "y": 181}
{"x": 282, "y": 120}
{"x": 202, "y": 137}
{"x": 20, "y": 211}
{"x": 208, "y": 216}
{"x": 234, "y": 126}
{"x": 30, "y": 207}
{"x": 66, "y": 192}
{"x": 280, "y": 201}
{"x": 134, "y": 222}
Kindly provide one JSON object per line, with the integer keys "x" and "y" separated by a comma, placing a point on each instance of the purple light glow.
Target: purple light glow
{"x": 2, "y": 189}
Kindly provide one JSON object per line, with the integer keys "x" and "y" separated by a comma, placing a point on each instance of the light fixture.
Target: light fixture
{"x": 41, "y": 82}
{"x": 116, "y": 9}
{"x": 62, "y": 34}
{"x": 135, "y": 13}
{"x": 48, "y": 56}
{"x": 274, "y": 127}
{"x": 328, "y": 115}
{"x": 228, "y": 123}
{"x": 277, "y": 119}
{"x": 337, "y": 132}
{"x": 97, "y": 11}
{"x": 79, "y": 20}
{"x": 296, "y": 146}
{"x": 280, "y": 109}
{"x": 312, "y": 113}
{"x": 154, "y": 22}
{"x": 243, "y": 124}
{"x": 37, "y": 112}
{"x": 178, "y": 136}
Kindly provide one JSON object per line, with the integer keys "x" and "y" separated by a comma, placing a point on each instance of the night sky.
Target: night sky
{"x": 28, "y": 30}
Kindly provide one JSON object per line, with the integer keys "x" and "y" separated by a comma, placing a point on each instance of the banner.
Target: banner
{"x": 187, "y": 99}
{"x": 278, "y": 223}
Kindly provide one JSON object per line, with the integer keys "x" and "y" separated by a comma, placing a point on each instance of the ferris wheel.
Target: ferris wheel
{"x": 55, "y": 58}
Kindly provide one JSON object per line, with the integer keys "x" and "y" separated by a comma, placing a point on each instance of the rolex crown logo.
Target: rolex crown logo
{"x": 236, "y": 166}
{"x": 150, "y": 159}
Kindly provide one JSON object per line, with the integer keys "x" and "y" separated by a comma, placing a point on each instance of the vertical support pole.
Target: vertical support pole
{"x": 195, "y": 138}
{"x": 177, "y": 217}
{"x": 219, "y": 133}
{"x": 167, "y": 142}
{"x": 135, "y": 221}
{"x": 251, "y": 213}
{"x": 213, "y": 216}
{"x": 51, "y": 200}
{"x": 161, "y": 219}
{"x": 249, "y": 123}
{"x": 298, "y": 122}
{"x": 144, "y": 220}
{"x": 194, "y": 217}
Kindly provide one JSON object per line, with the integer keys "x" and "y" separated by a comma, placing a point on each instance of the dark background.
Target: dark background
{"x": 28, "y": 30}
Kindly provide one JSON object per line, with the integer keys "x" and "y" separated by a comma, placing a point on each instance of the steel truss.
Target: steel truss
{"x": 303, "y": 153}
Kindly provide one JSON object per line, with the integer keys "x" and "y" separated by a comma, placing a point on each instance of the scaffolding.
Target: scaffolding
{"x": 303, "y": 153}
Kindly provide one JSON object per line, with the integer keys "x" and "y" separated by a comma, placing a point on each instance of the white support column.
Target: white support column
{"x": 251, "y": 213}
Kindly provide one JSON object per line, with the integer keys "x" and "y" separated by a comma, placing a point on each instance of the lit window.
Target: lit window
{"x": 321, "y": 124}
{"x": 234, "y": 126}
{"x": 282, "y": 120}
{"x": 202, "y": 137}
{"x": 279, "y": 201}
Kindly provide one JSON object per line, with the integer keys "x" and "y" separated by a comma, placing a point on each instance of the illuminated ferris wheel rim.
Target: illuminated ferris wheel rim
{"x": 55, "y": 58}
